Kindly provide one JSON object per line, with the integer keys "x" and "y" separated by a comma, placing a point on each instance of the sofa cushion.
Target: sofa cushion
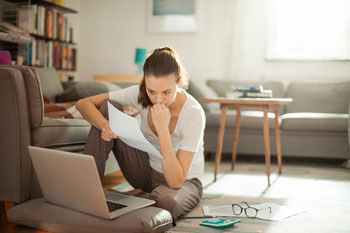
{"x": 50, "y": 83}
{"x": 85, "y": 89}
{"x": 60, "y": 132}
{"x": 310, "y": 121}
{"x": 319, "y": 97}
{"x": 201, "y": 91}
{"x": 39, "y": 214}
{"x": 249, "y": 119}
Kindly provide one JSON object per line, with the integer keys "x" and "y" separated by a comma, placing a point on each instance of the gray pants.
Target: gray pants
{"x": 136, "y": 169}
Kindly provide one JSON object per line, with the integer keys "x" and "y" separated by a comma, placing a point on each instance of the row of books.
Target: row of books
{"x": 249, "y": 92}
{"x": 51, "y": 54}
{"x": 46, "y": 22}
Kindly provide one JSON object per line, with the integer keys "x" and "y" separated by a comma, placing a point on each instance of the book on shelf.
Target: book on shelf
{"x": 25, "y": 19}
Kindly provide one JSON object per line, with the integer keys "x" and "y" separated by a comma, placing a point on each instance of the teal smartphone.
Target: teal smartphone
{"x": 219, "y": 222}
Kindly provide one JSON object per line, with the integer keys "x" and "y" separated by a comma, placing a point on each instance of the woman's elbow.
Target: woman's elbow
{"x": 176, "y": 184}
{"x": 79, "y": 104}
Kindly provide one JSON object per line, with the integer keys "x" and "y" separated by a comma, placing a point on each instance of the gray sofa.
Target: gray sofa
{"x": 314, "y": 125}
{"x": 22, "y": 123}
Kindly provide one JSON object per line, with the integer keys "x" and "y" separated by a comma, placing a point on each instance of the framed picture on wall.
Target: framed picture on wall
{"x": 172, "y": 16}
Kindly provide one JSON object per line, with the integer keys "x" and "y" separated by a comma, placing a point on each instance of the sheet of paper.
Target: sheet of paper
{"x": 128, "y": 130}
{"x": 278, "y": 212}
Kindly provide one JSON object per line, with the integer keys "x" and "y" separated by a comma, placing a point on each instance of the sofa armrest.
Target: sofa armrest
{"x": 15, "y": 164}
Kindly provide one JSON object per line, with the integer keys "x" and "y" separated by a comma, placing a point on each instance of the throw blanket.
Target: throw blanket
{"x": 61, "y": 110}
{"x": 68, "y": 110}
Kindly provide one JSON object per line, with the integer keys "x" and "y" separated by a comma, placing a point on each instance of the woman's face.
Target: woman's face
{"x": 161, "y": 90}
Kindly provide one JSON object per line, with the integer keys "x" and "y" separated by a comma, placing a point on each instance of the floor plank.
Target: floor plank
{"x": 113, "y": 179}
{"x": 108, "y": 182}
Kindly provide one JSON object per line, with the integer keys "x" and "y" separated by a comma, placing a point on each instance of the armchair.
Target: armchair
{"x": 22, "y": 123}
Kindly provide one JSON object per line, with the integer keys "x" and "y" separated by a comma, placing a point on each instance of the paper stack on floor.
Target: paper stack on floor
{"x": 278, "y": 212}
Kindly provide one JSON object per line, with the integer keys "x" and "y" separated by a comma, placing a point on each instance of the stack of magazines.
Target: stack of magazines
{"x": 250, "y": 92}
{"x": 11, "y": 33}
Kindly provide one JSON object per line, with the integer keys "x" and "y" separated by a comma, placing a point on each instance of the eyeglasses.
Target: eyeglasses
{"x": 249, "y": 211}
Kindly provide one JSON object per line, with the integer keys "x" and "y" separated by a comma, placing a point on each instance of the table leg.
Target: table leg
{"x": 220, "y": 139}
{"x": 236, "y": 137}
{"x": 267, "y": 144}
{"x": 278, "y": 142}
{"x": 8, "y": 205}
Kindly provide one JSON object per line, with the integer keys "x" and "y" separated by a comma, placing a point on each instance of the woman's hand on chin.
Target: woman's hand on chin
{"x": 160, "y": 116}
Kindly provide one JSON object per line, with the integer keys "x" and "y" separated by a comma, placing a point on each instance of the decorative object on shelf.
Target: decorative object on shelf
{"x": 59, "y": 2}
{"x": 5, "y": 58}
{"x": 140, "y": 57}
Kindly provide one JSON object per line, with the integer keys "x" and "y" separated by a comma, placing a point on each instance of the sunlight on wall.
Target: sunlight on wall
{"x": 310, "y": 29}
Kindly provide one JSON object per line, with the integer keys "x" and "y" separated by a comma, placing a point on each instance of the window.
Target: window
{"x": 309, "y": 30}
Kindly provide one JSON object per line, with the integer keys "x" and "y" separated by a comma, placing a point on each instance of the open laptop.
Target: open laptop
{"x": 71, "y": 180}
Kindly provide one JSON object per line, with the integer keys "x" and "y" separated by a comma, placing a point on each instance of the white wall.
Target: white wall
{"x": 231, "y": 43}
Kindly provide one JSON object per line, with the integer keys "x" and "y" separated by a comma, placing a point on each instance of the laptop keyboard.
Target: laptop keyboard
{"x": 113, "y": 206}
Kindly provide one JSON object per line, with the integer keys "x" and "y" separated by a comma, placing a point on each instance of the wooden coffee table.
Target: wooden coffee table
{"x": 238, "y": 103}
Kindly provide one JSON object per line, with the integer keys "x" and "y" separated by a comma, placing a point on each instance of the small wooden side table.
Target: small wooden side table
{"x": 238, "y": 103}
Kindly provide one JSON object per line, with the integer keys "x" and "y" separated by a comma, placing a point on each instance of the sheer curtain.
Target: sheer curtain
{"x": 309, "y": 30}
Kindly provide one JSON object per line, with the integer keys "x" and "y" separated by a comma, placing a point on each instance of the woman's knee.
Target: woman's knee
{"x": 104, "y": 107}
{"x": 165, "y": 198}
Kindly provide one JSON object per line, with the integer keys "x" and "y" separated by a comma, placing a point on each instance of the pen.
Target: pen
{"x": 197, "y": 217}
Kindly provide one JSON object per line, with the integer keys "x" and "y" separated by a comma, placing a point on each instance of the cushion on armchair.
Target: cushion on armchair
{"x": 50, "y": 83}
{"x": 52, "y": 87}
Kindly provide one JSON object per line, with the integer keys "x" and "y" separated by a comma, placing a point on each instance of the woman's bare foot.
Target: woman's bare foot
{"x": 133, "y": 192}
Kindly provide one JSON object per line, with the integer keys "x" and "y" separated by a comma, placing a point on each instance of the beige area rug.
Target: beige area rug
{"x": 323, "y": 191}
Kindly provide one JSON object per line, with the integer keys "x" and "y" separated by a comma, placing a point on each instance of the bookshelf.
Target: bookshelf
{"x": 50, "y": 29}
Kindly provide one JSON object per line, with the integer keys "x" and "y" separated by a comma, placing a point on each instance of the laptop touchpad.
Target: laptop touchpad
{"x": 114, "y": 196}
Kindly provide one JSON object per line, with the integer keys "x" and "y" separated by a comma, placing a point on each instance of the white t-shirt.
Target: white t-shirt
{"x": 187, "y": 135}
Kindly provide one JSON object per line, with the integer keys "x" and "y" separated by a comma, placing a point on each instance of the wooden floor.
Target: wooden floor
{"x": 109, "y": 181}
